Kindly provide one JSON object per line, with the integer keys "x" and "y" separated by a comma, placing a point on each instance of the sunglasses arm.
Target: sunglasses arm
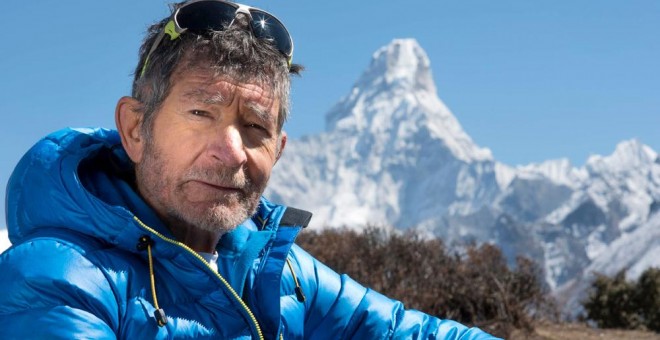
{"x": 170, "y": 29}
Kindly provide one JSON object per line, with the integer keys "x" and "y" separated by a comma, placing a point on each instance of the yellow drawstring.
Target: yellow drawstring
{"x": 159, "y": 313}
{"x": 298, "y": 289}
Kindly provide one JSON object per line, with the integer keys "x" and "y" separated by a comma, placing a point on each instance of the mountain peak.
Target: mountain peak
{"x": 401, "y": 64}
{"x": 628, "y": 155}
{"x": 395, "y": 103}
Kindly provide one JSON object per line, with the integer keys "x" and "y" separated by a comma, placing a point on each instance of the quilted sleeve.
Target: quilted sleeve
{"x": 337, "y": 307}
{"x": 50, "y": 291}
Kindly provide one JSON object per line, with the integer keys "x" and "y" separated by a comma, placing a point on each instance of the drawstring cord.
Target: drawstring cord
{"x": 226, "y": 284}
{"x": 298, "y": 289}
{"x": 159, "y": 313}
{"x": 146, "y": 243}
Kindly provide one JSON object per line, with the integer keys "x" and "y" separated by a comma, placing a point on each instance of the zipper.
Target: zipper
{"x": 199, "y": 257}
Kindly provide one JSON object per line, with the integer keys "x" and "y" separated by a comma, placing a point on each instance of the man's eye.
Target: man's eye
{"x": 259, "y": 130}
{"x": 256, "y": 126}
{"x": 199, "y": 113}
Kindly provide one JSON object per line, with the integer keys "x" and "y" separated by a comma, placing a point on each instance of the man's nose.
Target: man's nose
{"x": 227, "y": 147}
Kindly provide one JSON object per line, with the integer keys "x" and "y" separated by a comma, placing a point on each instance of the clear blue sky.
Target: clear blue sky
{"x": 531, "y": 80}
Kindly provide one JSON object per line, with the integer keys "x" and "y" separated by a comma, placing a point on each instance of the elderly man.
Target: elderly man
{"x": 158, "y": 230}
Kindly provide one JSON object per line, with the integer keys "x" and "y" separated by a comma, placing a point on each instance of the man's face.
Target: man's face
{"x": 213, "y": 144}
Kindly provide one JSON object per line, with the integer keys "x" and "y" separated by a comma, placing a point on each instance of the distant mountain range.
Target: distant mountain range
{"x": 394, "y": 155}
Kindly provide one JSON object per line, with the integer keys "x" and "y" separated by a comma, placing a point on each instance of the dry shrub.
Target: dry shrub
{"x": 617, "y": 303}
{"x": 476, "y": 288}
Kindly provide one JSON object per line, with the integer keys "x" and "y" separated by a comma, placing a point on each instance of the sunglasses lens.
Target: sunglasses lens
{"x": 266, "y": 26}
{"x": 202, "y": 16}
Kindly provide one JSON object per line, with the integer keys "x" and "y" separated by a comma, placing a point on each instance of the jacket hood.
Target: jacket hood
{"x": 45, "y": 189}
{"x": 79, "y": 180}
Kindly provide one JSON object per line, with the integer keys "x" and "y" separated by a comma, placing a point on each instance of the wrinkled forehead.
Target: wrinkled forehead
{"x": 210, "y": 85}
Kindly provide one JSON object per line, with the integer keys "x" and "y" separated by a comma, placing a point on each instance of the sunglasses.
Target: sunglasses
{"x": 202, "y": 16}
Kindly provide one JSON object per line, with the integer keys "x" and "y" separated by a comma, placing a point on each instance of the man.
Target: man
{"x": 158, "y": 230}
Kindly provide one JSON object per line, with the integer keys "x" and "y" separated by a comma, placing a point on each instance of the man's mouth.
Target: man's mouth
{"x": 219, "y": 186}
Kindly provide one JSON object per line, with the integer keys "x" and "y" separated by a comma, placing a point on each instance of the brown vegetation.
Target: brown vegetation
{"x": 617, "y": 303}
{"x": 573, "y": 331}
{"x": 475, "y": 288}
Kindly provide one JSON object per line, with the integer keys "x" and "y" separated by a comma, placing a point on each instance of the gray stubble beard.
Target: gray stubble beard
{"x": 219, "y": 217}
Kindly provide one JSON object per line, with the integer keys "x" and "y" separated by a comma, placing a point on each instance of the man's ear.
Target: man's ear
{"x": 128, "y": 119}
{"x": 282, "y": 144}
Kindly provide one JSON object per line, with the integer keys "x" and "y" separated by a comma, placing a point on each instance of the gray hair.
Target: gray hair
{"x": 234, "y": 53}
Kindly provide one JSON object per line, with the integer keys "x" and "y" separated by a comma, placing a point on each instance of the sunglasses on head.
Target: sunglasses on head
{"x": 202, "y": 16}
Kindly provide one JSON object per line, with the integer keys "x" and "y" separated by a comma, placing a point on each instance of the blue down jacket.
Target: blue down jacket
{"x": 83, "y": 240}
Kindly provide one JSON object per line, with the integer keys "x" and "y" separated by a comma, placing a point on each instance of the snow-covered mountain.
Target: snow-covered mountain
{"x": 388, "y": 142}
{"x": 394, "y": 155}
